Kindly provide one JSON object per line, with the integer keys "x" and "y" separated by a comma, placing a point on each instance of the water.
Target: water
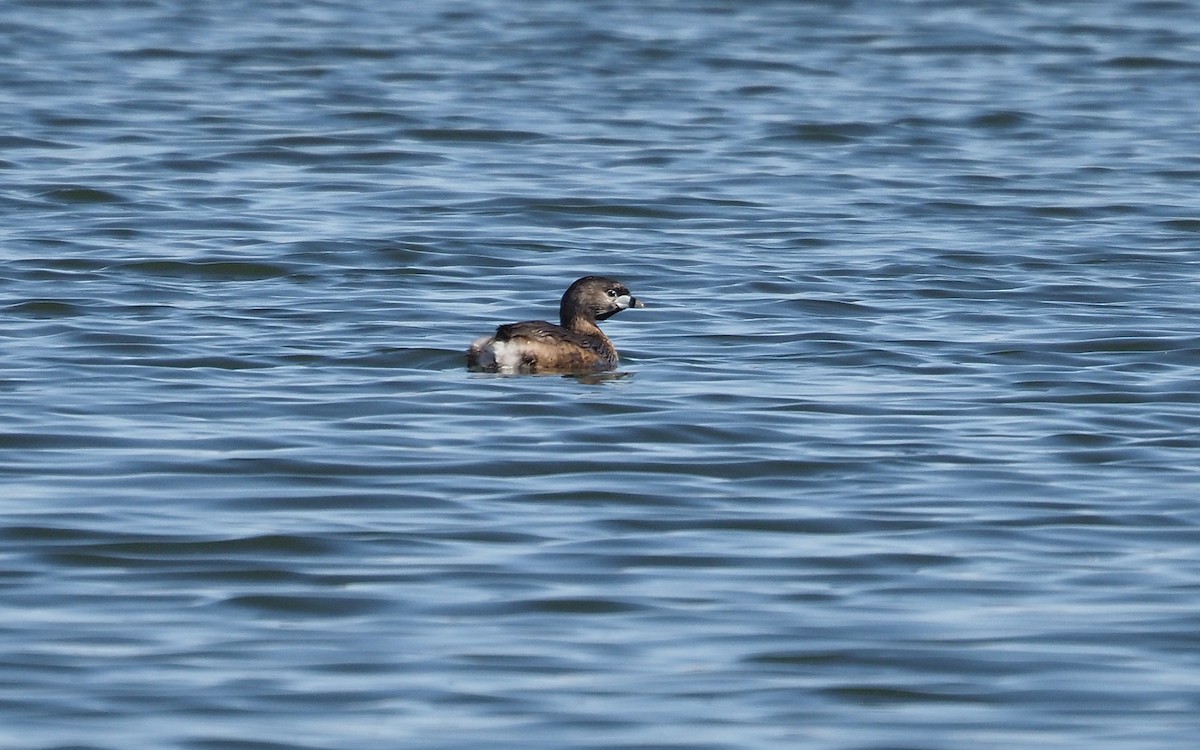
{"x": 903, "y": 452}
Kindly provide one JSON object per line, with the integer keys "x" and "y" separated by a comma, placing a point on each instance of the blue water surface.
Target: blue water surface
{"x": 904, "y": 451}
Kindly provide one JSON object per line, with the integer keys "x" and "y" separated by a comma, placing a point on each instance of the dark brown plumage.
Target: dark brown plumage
{"x": 576, "y": 345}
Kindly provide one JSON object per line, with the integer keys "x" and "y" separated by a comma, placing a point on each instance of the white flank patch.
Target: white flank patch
{"x": 506, "y": 355}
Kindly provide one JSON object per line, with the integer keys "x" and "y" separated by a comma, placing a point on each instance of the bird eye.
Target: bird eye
{"x": 612, "y": 293}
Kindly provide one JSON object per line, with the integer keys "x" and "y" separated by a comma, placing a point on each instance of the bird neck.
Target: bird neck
{"x": 575, "y": 317}
{"x": 580, "y": 323}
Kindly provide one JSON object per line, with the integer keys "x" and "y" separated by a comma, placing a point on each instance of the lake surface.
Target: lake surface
{"x": 904, "y": 451}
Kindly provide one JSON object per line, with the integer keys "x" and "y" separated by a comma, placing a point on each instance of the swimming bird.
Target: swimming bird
{"x": 576, "y": 345}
